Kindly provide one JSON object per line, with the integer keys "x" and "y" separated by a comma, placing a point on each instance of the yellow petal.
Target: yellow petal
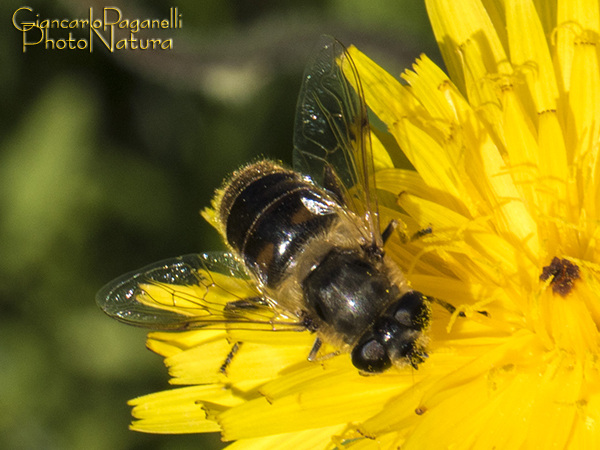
{"x": 473, "y": 26}
{"x": 381, "y": 158}
{"x": 199, "y": 365}
{"x": 447, "y": 222}
{"x": 584, "y": 102}
{"x": 557, "y": 394}
{"x": 327, "y": 401}
{"x": 554, "y": 168}
{"x": 179, "y": 410}
{"x": 576, "y": 21}
{"x": 523, "y": 152}
{"x": 394, "y": 106}
{"x": 317, "y": 439}
{"x": 530, "y": 54}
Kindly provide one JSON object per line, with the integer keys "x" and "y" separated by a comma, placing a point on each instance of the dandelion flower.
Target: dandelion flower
{"x": 507, "y": 175}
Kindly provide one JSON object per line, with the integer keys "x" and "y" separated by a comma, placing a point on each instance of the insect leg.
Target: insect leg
{"x": 419, "y": 234}
{"x": 404, "y": 237}
{"x": 315, "y": 349}
{"x": 312, "y": 356}
{"x": 452, "y": 309}
{"x": 230, "y": 355}
{"x": 389, "y": 230}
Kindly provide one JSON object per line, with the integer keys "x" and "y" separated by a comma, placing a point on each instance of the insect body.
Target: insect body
{"x": 305, "y": 243}
{"x": 316, "y": 259}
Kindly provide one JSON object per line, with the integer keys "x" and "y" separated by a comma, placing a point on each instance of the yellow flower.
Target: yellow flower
{"x": 508, "y": 178}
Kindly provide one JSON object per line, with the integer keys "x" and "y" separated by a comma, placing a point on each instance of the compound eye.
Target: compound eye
{"x": 370, "y": 356}
{"x": 411, "y": 310}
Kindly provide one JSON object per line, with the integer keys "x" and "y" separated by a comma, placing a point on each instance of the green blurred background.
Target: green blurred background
{"x": 105, "y": 161}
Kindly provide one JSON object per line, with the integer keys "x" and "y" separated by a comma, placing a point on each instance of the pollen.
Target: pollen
{"x": 563, "y": 273}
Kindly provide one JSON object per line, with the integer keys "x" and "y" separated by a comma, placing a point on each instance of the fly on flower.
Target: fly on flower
{"x": 307, "y": 253}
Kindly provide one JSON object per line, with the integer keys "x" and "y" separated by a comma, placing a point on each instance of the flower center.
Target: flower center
{"x": 569, "y": 311}
{"x": 563, "y": 273}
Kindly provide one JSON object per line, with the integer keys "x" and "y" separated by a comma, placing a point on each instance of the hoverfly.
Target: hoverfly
{"x": 306, "y": 250}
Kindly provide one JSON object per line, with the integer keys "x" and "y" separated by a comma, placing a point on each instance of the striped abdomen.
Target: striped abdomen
{"x": 269, "y": 214}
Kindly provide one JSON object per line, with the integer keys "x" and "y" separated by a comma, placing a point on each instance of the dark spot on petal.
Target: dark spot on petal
{"x": 420, "y": 410}
{"x": 563, "y": 273}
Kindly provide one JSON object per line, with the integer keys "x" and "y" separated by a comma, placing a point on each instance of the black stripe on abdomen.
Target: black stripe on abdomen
{"x": 271, "y": 220}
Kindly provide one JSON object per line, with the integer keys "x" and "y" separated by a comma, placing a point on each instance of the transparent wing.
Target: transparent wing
{"x": 332, "y": 142}
{"x": 193, "y": 291}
